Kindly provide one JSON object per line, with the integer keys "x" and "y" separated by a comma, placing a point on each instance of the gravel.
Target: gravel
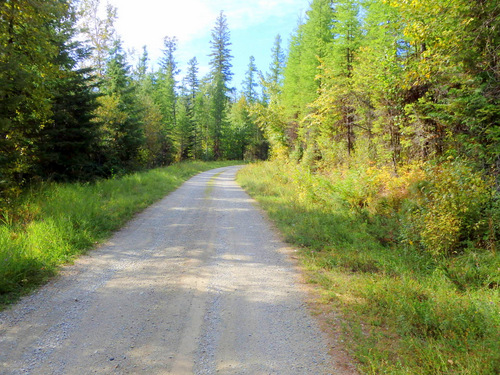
{"x": 198, "y": 283}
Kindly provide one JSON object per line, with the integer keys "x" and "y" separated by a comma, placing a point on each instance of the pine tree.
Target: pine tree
{"x": 119, "y": 114}
{"x": 274, "y": 79}
{"x": 28, "y": 30}
{"x": 166, "y": 95}
{"x": 142, "y": 66}
{"x": 220, "y": 76}
{"x": 68, "y": 145}
{"x": 192, "y": 87}
{"x": 250, "y": 84}
{"x": 308, "y": 49}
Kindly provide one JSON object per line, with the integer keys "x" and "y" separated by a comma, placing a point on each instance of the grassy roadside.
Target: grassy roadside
{"x": 56, "y": 222}
{"x": 405, "y": 311}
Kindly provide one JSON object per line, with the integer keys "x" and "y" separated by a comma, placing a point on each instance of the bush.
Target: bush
{"x": 448, "y": 209}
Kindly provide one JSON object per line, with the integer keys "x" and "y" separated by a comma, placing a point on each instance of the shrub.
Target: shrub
{"x": 447, "y": 208}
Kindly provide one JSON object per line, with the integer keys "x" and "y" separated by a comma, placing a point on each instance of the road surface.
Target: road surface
{"x": 196, "y": 284}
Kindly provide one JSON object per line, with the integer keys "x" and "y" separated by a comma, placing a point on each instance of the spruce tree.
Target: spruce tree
{"x": 192, "y": 87}
{"x": 142, "y": 66}
{"x": 68, "y": 145}
{"x": 119, "y": 113}
{"x": 308, "y": 48}
{"x": 28, "y": 50}
{"x": 166, "y": 95}
{"x": 275, "y": 76}
{"x": 250, "y": 84}
{"x": 220, "y": 76}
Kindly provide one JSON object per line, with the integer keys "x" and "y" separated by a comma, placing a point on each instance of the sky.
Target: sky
{"x": 253, "y": 25}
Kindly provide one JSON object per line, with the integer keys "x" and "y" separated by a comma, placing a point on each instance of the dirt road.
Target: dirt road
{"x": 196, "y": 284}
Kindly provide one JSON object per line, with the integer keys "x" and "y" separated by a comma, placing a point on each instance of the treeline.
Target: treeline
{"x": 403, "y": 97}
{"x": 73, "y": 106}
{"x": 393, "y": 81}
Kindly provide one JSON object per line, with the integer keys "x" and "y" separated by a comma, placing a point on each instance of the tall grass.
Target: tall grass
{"x": 53, "y": 223}
{"x": 406, "y": 310}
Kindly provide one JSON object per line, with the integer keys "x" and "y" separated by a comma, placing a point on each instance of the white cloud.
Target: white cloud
{"x": 147, "y": 22}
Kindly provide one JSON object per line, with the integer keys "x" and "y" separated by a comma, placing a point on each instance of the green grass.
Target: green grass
{"x": 54, "y": 223}
{"x": 404, "y": 311}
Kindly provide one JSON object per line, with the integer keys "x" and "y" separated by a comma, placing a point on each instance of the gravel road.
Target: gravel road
{"x": 196, "y": 284}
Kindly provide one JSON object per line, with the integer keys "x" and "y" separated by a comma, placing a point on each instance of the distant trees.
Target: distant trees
{"x": 73, "y": 108}
{"x": 389, "y": 82}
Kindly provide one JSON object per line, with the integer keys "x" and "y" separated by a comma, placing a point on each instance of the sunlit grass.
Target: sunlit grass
{"x": 405, "y": 311}
{"x": 53, "y": 223}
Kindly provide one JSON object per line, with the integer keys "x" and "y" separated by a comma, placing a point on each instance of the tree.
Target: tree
{"x": 220, "y": 76}
{"x": 269, "y": 115}
{"x": 338, "y": 96}
{"x": 184, "y": 131}
{"x": 166, "y": 95}
{"x": 274, "y": 78}
{"x": 27, "y": 61}
{"x": 142, "y": 66}
{"x": 122, "y": 133}
{"x": 308, "y": 48}
{"x": 378, "y": 80}
{"x": 249, "y": 84}
{"x": 67, "y": 146}
{"x": 192, "y": 87}
{"x": 150, "y": 117}
{"x": 99, "y": 33}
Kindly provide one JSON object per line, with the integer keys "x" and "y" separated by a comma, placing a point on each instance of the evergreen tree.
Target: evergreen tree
{"x": 378, "y": 80}
{"x": 166, "y": 96}
{"x": 220, "y": 76}
{"x": 68, "y": 145}
{"x": 122, "y": 133}
{"x": 277, "y": 63}
{"x": 142, "y": 66}
{"x": 28, "y": 30}
{"x": 203, "y": 119}
{"x": 150, "y": 116}
{"x": 308, "y": 49}
{"x": 183, "y": 135}
{"x": 250, "y": 84}
{"x": 274, "y": 79}
{"x": 338, "y": 72}
{"x": 191, "y": 84}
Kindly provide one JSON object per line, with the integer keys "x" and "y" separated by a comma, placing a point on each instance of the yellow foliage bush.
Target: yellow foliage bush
{"x": 439, "y": 207}
{"x": 447, "y": 208}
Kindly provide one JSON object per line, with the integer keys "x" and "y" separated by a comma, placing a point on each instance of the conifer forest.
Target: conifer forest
{"x": 379, "y": 125}
{"x": 405, "y": 88}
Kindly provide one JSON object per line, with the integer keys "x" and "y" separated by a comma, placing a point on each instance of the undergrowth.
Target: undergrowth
{"x": 413, "y": 302}
{"x": 52, "y": 223}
